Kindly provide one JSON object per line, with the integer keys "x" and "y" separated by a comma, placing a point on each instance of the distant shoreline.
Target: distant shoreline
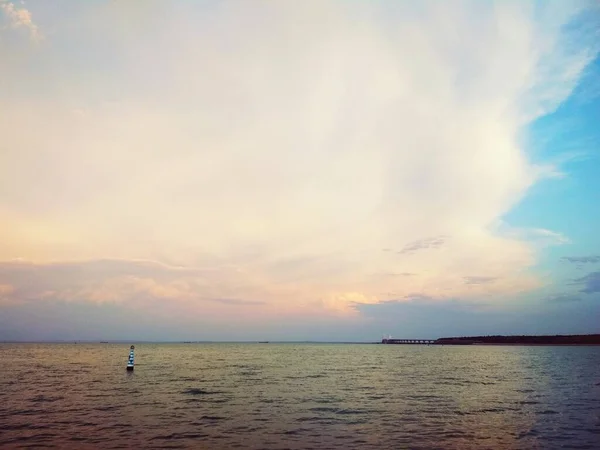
{"x": 539, "y": 345}
{"x": 526, "y": 340}
{"x": 133, "y": 341}
{"x": 559, "y": 339}
{"x": 536, "y": 340}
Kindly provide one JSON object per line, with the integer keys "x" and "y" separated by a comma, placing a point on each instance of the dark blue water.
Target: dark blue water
{"x": 299, "y": 396}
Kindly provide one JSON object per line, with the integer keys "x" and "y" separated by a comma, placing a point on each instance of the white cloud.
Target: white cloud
{"x": 539, "y": 237}
{"x": 19, "y": 17}
{"x": 290, "y": 141}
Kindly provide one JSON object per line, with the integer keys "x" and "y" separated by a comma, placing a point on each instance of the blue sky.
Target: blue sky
{"x": 567, "y": 204}
{"x": 319, "y": 170}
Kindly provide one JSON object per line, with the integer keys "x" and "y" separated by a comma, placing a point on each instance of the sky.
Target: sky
{"x": 317, "y": 170}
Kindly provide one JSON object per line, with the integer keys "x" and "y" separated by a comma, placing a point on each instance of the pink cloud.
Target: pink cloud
{"x": 19, "y": 18}
{"x": 6, "y": 291}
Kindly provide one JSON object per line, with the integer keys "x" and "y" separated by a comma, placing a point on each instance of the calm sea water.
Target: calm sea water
{"x": 299, "y": 396}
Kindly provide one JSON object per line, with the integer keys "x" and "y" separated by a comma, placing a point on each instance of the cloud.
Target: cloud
{"x": 280, "y": 151}
{"x": 564, "y": 298}
{"x": 552, "y": 235}
{"x": 479, "y": 280}
{"x": 581, "y": 259}
{"x": 422, "y": 244}
{"x": 426, "y": 318}
{"x": 401, "y": 274}
{"x": 6, "y": 291}
{"x": 591, "y": 282}
{"x": 539, "y": 237}
{"x": 120, "y": 281}
{"x": 81, "y": 273}
{"x": 19, "y": 18}
{"x": 235, "y": 301}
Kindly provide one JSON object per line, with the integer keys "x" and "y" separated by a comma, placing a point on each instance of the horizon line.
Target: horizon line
{"x": 263, "y": 341}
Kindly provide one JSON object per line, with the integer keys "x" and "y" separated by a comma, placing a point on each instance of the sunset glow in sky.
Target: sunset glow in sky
{"x": 328, "y": 170}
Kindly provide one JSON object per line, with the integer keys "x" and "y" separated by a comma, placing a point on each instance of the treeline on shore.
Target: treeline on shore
{"x": 576, "y": 339}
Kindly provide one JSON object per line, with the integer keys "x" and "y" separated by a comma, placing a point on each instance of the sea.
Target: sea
{"x": 299, "y": 396}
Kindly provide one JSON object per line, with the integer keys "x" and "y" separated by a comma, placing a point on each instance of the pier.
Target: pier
{"x": 575, "y": 339}
{"x": 408, "y": 341}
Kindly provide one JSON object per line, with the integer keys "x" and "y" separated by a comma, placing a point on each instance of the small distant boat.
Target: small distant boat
{"x": 130, "y": 362}
{"x": 263, "y": 342}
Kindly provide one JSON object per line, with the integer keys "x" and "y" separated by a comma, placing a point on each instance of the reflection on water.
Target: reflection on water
{"x": 299, "y": 396}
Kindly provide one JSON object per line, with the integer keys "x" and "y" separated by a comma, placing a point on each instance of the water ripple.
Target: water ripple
{"x": 223, "y": 396}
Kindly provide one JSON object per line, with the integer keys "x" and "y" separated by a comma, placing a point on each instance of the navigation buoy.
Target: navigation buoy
{"x": 130, "y": 362}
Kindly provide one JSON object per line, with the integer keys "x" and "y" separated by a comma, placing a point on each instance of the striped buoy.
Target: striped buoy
{"x": 130, "y": 362}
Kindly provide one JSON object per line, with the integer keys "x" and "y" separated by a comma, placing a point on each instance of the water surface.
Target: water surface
{"x": 276, "y": 396}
